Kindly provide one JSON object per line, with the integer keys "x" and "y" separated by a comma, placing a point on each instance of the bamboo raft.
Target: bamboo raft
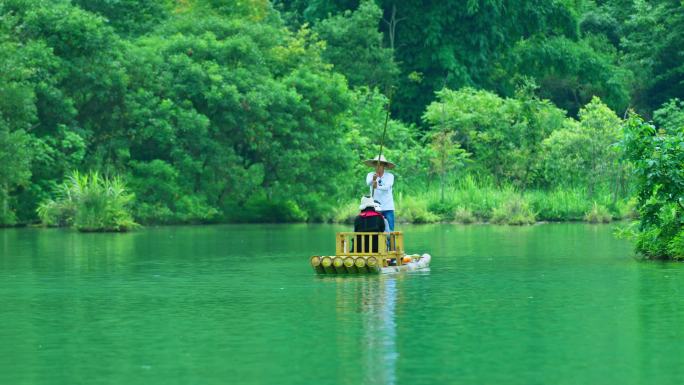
{"x": 359, "y": 253}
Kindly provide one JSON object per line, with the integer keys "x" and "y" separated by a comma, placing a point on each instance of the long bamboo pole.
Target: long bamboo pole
{"x": 384, "y": 132}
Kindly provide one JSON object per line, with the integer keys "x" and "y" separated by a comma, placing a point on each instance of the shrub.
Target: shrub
{"x": 260, "y": 209}
{"x": 194, "y": 209}
{"x": 676, "y": 246}
{"x": 414, "y": 210}
{"x": 598, "y": 214}
{"x": 516, "y": 211}
{"x": 559, "y": 204}
{"x": 626, "y": 209}
{"x": 90, "y": 203}
{"x": 346, "y": 213}
{"x": 464, "y": 215}
{"x": 444, "y": 210}
{"x": 657, "y": 158}
{"x": 60, "y": 212}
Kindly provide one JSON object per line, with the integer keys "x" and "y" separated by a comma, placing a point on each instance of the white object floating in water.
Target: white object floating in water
{"x": 418, "y": 263}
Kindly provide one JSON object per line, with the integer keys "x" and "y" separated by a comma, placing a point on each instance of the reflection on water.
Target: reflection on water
{"x": 380, "y": 330}
{"x": 386, "y": 335}
{"x": 374, "y": 298}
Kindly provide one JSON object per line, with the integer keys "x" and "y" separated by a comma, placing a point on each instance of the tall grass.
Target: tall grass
{"x": 559, "y": 204}
{"x": 346, "y": 213}
{"x": 415, "y": 210}
{"x": 516, "y": 211}
{"x": 471, "y": 200}
{"x": 89, "y": 202}
{"x": 598, "y": 214}
{"x": 464, "y": 215}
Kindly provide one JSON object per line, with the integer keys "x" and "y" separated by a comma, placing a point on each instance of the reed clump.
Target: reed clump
{"x": 464, "y": 215}
{"x": 90, "y": 202}
{"x": 415, "y": 210}
{"x": 516, "y": 211}
{"x": 598, "y": 214}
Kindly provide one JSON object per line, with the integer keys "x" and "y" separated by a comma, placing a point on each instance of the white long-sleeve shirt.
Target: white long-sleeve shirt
{"x": 383, "y": 193}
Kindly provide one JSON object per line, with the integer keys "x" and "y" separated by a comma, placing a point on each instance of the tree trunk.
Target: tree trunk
{"x": 616, "y": 188}
{"x": 392, "y": 26}
{"x": 442, "y": 186}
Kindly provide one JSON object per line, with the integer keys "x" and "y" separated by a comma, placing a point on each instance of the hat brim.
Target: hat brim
{"x": 375, "y": 206}
{"x": 373, "y": 163}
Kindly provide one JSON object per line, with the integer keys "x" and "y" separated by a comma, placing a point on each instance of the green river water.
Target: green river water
{"x": 546, "y": 304}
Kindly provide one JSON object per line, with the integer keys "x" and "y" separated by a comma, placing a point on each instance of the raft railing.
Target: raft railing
{"x": 350, "y": 244}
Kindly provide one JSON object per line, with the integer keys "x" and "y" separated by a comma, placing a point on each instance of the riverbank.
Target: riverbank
{"x": 504, "y": 206}
{"x": 467, "y": 204}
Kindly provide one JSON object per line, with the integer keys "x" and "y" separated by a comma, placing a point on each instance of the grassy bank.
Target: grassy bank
{"x": 472, "y": 202}
{"x": 90, "y": 202}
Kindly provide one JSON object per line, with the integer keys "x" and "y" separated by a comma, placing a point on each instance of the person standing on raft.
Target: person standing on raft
{"x": 381, "y": 183}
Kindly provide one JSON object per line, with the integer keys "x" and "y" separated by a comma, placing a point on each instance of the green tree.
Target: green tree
{"x": 504, "y": 135}
{"x": 652, "y": 42}
{"x": 17, "y": 118}
{"x": 570, "y": 73}
{"x": 462, "y": 41}
{"x": 670, "y": 117}
{"x": 446, "y": 156}
{"x": 73, "y": 78}
{"x": 354, "y": 45}
{"x": 363, "y": 127}
{"x": 584, "y": 153}
{"x": 603, "y": 128}
{"x": 15, "y": 157}
{"x": 243, "y": 112}
{"x": 130, "y": 17}
{"x": 659, "y": 170}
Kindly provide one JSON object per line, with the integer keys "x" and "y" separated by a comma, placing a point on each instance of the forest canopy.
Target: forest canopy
{"x": 257, "y": 110}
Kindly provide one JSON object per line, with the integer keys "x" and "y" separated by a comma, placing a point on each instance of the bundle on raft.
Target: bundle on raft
{"x": 358, "y": 253}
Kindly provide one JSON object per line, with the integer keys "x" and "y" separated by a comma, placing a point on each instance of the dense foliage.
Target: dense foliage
{"x": 658, "y": 158}
{"x": 257, "y": 110}
{"x": 627, "y": 52}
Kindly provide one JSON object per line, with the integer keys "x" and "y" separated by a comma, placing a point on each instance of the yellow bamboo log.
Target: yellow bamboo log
{"x": 360, "y": 264}
{"x": 326, "y": 262}
{"x": 349, "y": 265}
{"x": 373, "y": 264}
{"x": 338, "y": 264}
{"x": 316, "y": 264}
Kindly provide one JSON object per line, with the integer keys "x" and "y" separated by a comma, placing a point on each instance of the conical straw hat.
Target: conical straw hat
{"x": 374, "y": 161}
